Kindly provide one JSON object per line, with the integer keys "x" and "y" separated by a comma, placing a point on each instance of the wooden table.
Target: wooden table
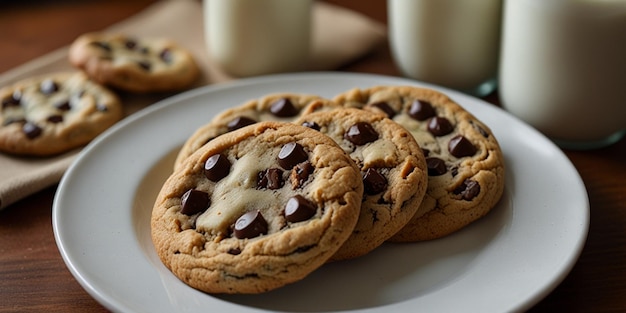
{"x": 33, "y": 276}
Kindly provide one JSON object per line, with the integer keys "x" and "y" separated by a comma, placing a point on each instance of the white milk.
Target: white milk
{"x": 255, "y": 37}
{"x": 563, "y": 68}
{"x": 454, "y": 43}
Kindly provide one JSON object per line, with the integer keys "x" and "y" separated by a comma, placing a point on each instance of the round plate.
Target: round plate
{"x": 506, "y": 261}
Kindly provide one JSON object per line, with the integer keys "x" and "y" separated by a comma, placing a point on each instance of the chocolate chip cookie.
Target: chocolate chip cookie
{"x": 53, "y": 113}
{"x": 134, "y": 64}
{"x": 392, "y": 167}
{"x": 256, "y": 209}
{"x": 465, "y": 163}
{"x": 281, "y": 107}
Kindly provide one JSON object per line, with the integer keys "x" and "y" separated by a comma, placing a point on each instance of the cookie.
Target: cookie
{"x": 53, "y": 113}
{"x": 256, "y": 209}
{"x": 134, "y": 64}
{"x": 392, "y": 167}
{"x": 465, "y": 163}
{"x": 281, "y": 107}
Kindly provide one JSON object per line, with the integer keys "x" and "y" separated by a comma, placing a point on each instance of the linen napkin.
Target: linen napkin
{"x": 339, "y": 35}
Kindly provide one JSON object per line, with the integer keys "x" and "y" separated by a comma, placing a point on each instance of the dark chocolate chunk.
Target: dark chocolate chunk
{"x": 250, "y": 225}
{"x": 425, "y": 151}
{"x": 374, "y": 182}
{"x": 194, "y": 201}
{"x": 385, "y": 107}
{"x": 48, "y": 87}
{"x": 13, "y": 101}
{"x": 145, "y": 65}
{"x": 101, "y": 107}
{"x": 166, "y": 56}
{"x": 311, "y": 125}
{"x": 239, "y": 122}
{"x": 361, "y": 133}
{"x": 31, "y": 130}
{"x": 436, "y": 166}
{"x": 55, "y": 118}
{"x": 439, "y": 126}
{"x": 468, "y": 190}
{"x": 130, "y": 44}
{"x": 234, "y": 251}
{"x": 459, "y": 146}
{"x": 63, "y": 105}
{"x": 102, "y": 45}
{"x": 283, "y": 108}
{"x": 216, "y": 167}
{"x": 299, "y": 209}
{"x": 300, "y": 174}
{"x": 291, "y": 154}
{"x": 421, "y": 110}
{"x": 271, "y": 178}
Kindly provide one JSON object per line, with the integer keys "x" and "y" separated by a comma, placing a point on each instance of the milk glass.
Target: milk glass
{"x": 563, "y": 69}
{"x": 256, "y": 37}
{"x": 453, "y": 43}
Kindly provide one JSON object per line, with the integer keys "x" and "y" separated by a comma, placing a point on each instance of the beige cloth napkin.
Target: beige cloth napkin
{"x": 339, "y": 35}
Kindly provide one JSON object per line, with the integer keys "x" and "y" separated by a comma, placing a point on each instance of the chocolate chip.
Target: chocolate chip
{"x": 239, "y": 122}
{"x": 234, "y": 251}
{"x": 55, "y": 118}
{"x": 385, "y": 107}
{"x": 216, "y": 167}
{"x": 421, "y": 110}
{"x": 194, "y": 201}
{"x": 440, "y": 126}
{"x": 311, "y": 125}
{"x": 130, "y": 44}
{"x": 454, "y": 171}
{"x": 250, "y": 225}
{"x": 299, "y": 209}
{"x": 481, "y": 130}
{"x": 374, "y": 182}
{"x": 468, "y": 190}
{"x": 459, "y": 146}
{"x": 425, "y": 151}
{"x": 166, "y": 56}
{"x": 436, "y": 166}
{"x": 361, "y": 133}
{"x": 283, "y": 108}
{"x": 101, "y": 107}
{"x": 271, "y": 178}
{"x": 145, "y": 65}
{"x": 12, "y": 101}
{"x": 300, "y": 174}
{"x": 31, "y": 130}
{"x": 48, "y": 87}
{"x": 102, "y": 45}
{"x": 291, "y": 154}
{"x": 144, "y": 50}
{"x": 63, "y": 106}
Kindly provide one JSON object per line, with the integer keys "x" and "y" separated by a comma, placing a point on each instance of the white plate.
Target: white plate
{"x": 507, "y": 261}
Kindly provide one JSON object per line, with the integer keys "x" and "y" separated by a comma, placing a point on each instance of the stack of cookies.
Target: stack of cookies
{"x": 53, "y": 113}
{"x": 267, "y": 192}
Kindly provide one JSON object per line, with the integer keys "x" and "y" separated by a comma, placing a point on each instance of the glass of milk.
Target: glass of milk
{"x": 256, "y": 37}
{"x": 453, "y": 43}
{"x": 563, "y": 69}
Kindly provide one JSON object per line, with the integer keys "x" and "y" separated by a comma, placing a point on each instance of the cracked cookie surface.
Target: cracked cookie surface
{"x": 53, "y": 113}
{"x": 392, "y": 167}
{"x": 464, "y": 160}
{"x": 256, "y": 209}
